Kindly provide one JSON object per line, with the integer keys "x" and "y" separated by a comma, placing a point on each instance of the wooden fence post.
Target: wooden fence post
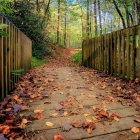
{"x": 1, "y": 65}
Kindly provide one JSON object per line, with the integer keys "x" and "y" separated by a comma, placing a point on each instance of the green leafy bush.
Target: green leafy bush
{"x": 37, "y": 62}
{"x": 33, "y": 25}
{"x": 77, "y": 57}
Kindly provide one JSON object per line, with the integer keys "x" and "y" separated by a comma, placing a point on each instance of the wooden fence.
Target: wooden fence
{"x": 15, "y": 56}
{"x": 116, "y": 53}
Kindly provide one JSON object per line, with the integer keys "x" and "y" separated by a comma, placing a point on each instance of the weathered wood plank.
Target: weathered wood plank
{"x": 128, "y": 54}
{"x": 123, "y": 53}
{"x": 1, "y": 66}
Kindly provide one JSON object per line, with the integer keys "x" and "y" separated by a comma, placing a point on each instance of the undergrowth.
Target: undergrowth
{"x": 77, "y": 57}
{"x": 37, "y": 62}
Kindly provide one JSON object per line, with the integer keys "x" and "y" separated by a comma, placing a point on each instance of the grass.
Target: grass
{"x": 37, "y": 62}
{"x": 77, "y": 57}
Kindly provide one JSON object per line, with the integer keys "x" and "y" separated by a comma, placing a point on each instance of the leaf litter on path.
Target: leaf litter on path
{"x": 35, "y": 86}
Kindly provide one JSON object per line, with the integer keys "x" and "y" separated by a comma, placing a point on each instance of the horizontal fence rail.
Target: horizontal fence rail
{"x": 116, "y": 53}
{"x": 15, "y": 56}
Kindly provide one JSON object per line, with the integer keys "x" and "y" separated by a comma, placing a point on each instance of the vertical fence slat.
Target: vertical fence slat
{"x": 11, "y": 56}
{"x": 123, "y": 53}
{"x": 1, "y": 66}
{"x": 119, "y": 53}
{"x": 128, "y": 53}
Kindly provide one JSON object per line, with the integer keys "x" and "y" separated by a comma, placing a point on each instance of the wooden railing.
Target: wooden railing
{"x": 116, "y": 53}
{"x": 15, "y": 56}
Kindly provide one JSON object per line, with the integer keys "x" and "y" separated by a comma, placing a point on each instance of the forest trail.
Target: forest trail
{"x": 61, "y": 101}
{"x": 74, "y": 101}
{"x": 79, "y": 105}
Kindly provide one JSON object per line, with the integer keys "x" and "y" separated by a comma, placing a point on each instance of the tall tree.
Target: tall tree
{"x": 119, "y": 12}
{"x": 65, "y": 26}
{"x": 100, "y": 18}
{"x": 95, "y": 17}
{"x": 138, "y": 10}
{"x": 58, "y": 23}
{"x": 88, "y": 19}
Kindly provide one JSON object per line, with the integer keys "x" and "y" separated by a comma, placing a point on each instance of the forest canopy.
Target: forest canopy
{"x": 68, "y": 22}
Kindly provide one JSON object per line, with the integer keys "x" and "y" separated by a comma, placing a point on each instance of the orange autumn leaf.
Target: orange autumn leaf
{"x": 76, "y": 123}
{"x": 57, "y": 137}
{"x": 39, "y": 116}
{"x": 41, "y": 89}
{"x": 135, "y": 130}
{"x": 24, "y": 107}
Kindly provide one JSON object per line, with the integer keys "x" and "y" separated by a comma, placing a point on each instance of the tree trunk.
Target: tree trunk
{"x": 37, "y": 5}
{"x": 47, "y": 8}
{"x": 95, "y": 17}
{"x": 138, "y": 10}
{"x": 120, "y": 14}
{"x": 82, "y": 21}
{"x": 58, "y": 21}
{"x": 88, "y": 20}
{"x": 135, "y": 12}
{"x": 100, "y": 19}
{"x": 65, "y": 28}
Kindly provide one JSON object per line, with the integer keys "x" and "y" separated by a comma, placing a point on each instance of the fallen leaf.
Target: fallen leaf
{"x": 54, "y": 114}
{"x": 50, "y": 124}
{"x": 119, "y": 88}
{"x": 65, "y": 113}
{"x": 8, "y": 109}
{"x": 17, "y": 108}
{"x": 35, "y": 95}
{"x": 104, "y": 113}
{"x": 23, "y": 108}
{"x": 66, "y": 127}
{"x": 61, "y": 93}
{"x": 39, "y": 116}
{"x": 89, "y": 130}
{"x": 137, "y": 120}
{"x": 81, "y": 106}
{"x": 103, "y": 86}
{"x": 87, "y": 114}
{"x": 74, "y": 112}
{"x": 5, "y": 129}
{"x": 24, "y": 121}
{"x": 58, "y": 108}
{"x": 38, "y": 110}
{"x": 89, "y": 126}
{"x": 46, "y": 81}
{"x": 41, "y": 89}
{"x": 57, "y": 137}
{"x": 135, "y": 130}
{"x": 76, "y": 123}
{"x": 50, "y": 80}
{"x": 94, "y": 118}
{"x": 47, "y": 102}
{"x": 65, "y": 103}
{"x": 2, "y": 137}
{"x": 116, "y": 119}
{"x": 91, "y": 96}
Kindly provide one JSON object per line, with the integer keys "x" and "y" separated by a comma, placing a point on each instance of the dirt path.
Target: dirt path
{"x": 74, "y": 99}
{"x": 71, "y": 103}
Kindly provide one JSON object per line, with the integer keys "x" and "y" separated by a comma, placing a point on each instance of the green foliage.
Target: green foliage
{"x": 2, "y": 27}
{"x": 33, "y": 25}
{"x": 5, "y": 7}
{"x": 77, "y": 57}
{"x": 37, "y": 62}
{"x": 17, "y": 72}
